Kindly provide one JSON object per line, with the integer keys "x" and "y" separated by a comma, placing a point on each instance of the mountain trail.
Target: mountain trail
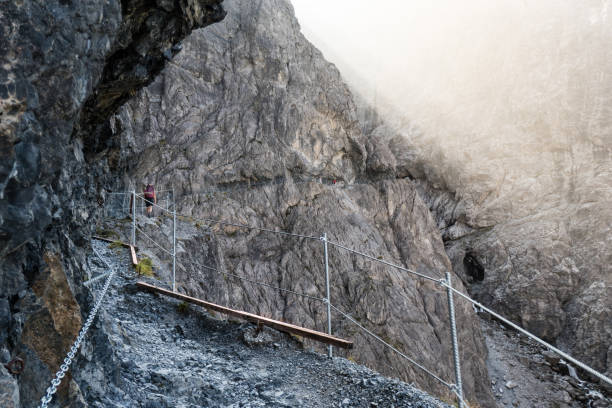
{"x": 174, "y": 355}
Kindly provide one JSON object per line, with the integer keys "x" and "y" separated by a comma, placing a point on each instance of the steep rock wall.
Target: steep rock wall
{"x": 251, "y": 101}
{"x": 64, "y": 68}
{"x": 510, "y": 134}
{"x": 529, "y": 242}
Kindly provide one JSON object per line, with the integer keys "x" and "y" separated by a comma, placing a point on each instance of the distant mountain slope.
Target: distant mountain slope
{"x": 510, "y": 133}
{"x": 526, "y": 225}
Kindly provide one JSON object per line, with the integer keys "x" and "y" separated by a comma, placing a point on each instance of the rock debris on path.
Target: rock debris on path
{"x": 152, "y": 351}
{"x": 525, "y": 374}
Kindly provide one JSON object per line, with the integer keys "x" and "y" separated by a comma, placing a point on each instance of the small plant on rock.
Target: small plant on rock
{"x": 106, "y": 233}
{"x": 145, "y": 267}
{"x": 183, "y": 308}
{"x": 297, "y": 338}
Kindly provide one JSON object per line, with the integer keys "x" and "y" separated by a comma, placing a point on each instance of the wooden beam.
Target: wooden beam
{"x": 132, "y": 248}
{"x": 134, "y": 258}
{"x": 277, "y": 324}
{"x": 104, "y": 239}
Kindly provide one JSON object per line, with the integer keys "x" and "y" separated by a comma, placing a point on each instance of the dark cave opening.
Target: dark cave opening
{"x": 472, "y": 267}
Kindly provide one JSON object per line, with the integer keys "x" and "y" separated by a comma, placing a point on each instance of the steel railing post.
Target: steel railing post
{"x": 451, "y": 313}
{"x": 134, "y": 218}
{"x": 329, "y": 330}
{"x": 173, "y": 243}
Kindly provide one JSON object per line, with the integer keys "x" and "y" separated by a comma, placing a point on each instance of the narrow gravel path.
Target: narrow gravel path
{"x": 172, "y": 355}
{"x": 524, "y": 374}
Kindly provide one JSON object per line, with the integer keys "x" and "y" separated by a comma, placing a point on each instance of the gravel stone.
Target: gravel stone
{"x": 211, "y": 365}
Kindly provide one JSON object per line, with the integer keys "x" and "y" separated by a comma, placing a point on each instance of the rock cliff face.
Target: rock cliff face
{"x": 64, "y": 68}
{"x": 526, "y": 220}
{"x": 514, "y": 150}
{"x": 251, "y": 107}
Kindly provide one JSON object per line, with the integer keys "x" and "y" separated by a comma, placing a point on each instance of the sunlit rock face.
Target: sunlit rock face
{"x": 250, "y": 100}
{"x": 247, "y": 104}
{"x": 513, "y": 153}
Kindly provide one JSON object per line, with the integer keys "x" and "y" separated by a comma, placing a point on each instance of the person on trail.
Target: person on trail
{"x": 150, "y": 198}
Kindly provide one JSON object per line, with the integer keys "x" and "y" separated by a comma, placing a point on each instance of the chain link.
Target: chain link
{"x": 61, "y": 373}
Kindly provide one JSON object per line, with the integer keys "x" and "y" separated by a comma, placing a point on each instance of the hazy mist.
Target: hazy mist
{"x": 512, "y": 99}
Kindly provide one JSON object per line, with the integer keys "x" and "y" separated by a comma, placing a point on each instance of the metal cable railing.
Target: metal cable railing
{"x": 455, "y": 388}
{"x": 146, "y": 200}
{"x": 130, "y": 193}
{"x": 442, "y": 282}
{"x": 311, "y": 237}
{"x": 225, "y": 189}
{"x": 382, "y": 261}
{"x": 233, "y": 224}
{"x": 355, "y": 322}
{"x": 230, "y": 274}
{"x": 255, "y": 282}
{"x": 154, "y": 242}
{"x": 452, "y": 387}
{"x": 323, "y": 300}
{"x": 530, "y": 335}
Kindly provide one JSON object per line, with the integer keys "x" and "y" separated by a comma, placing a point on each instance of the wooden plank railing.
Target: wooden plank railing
{"x": 277, "y": 324}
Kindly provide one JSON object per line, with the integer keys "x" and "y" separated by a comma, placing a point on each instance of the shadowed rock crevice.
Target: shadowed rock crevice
{"x": 473, "y": 268}
{"x": 147, "y": 39}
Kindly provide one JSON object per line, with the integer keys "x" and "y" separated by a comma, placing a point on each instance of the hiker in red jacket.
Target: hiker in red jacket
{"x": 150, "y": 198}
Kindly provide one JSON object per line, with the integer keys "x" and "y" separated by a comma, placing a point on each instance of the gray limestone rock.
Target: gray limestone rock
{"x": 9, "y": 389}
{"x": 528, "y": 240}
{"x": 250, "y": 124}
